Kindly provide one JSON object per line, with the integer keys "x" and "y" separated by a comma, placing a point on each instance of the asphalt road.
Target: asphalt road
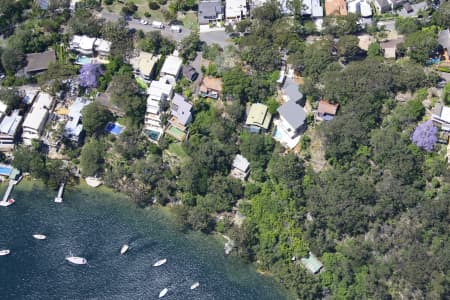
{"x": 135, "y": 24}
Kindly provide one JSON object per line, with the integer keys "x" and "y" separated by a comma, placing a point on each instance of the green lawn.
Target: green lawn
{"x": 142, "y": 9}
{"x": 190, "y": 20}
{"x": 177, "y": 150}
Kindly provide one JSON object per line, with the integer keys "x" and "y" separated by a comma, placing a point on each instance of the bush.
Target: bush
{"x": 443, "y": 69}
{"x": 162, "y": 2}
{"x": 147, "y": 15}
{"x": 108, "y": 2}
{"x": 153, "y": 5}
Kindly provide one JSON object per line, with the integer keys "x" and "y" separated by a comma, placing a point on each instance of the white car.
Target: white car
{"x": 143, "y": 22}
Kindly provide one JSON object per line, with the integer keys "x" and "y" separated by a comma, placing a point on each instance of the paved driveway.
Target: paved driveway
{"x": 135, "y": 24}
{"x": 216, "y": 37}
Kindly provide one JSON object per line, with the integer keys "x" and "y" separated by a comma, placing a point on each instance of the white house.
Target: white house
{"x": 171, "y": 67}
{"x": 291, "y": 123}
{"x": 236, "y": 10}
{"x": 240, "y": 167}
{"x": 88, "y": 46}
{"x": 158, "y": 92}
{"x": 36, "y": 118}
{"x": 73, "y": 127}
{"x": 82, "y": 44}
{"x": 8, "y": 130}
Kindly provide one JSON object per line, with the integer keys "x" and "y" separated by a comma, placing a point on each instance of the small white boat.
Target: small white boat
{"x": 58, "y": 200}
{"x": 124, "y": 249}
{"x": 160, "y": 262}
{"x": 7, "y": 203}
{"x": 39, "y": 236}
{"x": 195, "y": 285}
{"x": 4, "y": 252}
{"x": 76, "y": 260}
{"x": 163, "y": 293}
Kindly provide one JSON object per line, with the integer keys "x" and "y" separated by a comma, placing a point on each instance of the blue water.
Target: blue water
{"x": 4, "y": 170}
{"x": 95, "y": 224}
{"x": 83, "y": 60}
{"x": 114, "y": 128}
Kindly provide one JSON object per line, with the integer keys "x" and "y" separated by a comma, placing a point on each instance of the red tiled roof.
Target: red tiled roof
{"x": 326, "y": 107}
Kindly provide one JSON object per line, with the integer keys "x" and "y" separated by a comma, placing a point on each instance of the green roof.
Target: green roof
{"x": 312, "y": 263}
{"x": 259, "y": 116}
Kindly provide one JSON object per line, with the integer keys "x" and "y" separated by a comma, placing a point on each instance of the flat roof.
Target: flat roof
{"x": 159, "y": 88}
{"x": 312, "y": 263}
{"x": 234, "y": 8}
{"x": 240, "y": 163}
{"x": 145, "y": 62}
{"x": 172, "y": 65}
{"x": 259, "y": 116}
{"x": 39, "y": 111}
{"x": 10, "y": 123}
{"x": 293, "y": 113}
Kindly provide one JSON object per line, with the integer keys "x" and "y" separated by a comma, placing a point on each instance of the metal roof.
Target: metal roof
{"x": 293, "y": 113}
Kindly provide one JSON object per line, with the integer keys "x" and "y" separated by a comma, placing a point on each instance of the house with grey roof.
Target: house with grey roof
{"x": 180, "y": 117}
{"x": 240, "y": 167}
{"x": 291, "y": 90}
{"x": 291, "y": 123}
{"x": 38, "y": 62}
{"x": 382, "y": 6}
{"x": 8, "y": 130}
{"x": 210, "y": 11}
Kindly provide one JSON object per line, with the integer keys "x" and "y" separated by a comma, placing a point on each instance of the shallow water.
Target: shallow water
{"x": 95, "y": 224}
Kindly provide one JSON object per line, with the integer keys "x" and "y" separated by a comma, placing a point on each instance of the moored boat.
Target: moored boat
{"x": 195, "y": 285}
{"x": 7, "y": 203}
{"x": 76, "y": 260}
{"x": 39, "y": 236}
{"x": 124, "y": 249}
{"x": 160, "y": 262}
{"x": 163, "y": 293}
{"x": 4, "y": 252}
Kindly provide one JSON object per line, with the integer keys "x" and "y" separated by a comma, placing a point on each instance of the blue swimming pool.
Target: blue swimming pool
{"x": 83, "y": 60}
{"x": 152, "y": 134}
{"x": 114, "y": 128}
{"x": 5, "y": 170}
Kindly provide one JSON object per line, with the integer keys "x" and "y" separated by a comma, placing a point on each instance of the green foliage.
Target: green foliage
{"x": 348, "y": 46}
{"x": 155, "y": 43}
{"x": 153, "y": 5}
{"x": 125, "y": 94}
{"x": 11, "y": 98}
{"x": 84, "y": 22}
{"x": 190, "y": 45}
{"x": 95, "y": 118}
{"x": 316, "y": 58}
{"x": 92, "y": 158}
{"x": 407, "y": 25}
{"x": 422, "y": 44}
{"x": 446, "y": 94}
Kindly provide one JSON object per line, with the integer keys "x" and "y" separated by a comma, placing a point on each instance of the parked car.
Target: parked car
{"x": 175, "y": 28}
{"x": 143, "y": 22}
{"x": 157, "y": 24}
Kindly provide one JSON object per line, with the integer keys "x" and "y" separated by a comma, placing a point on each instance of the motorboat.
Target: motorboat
{"x": 7, "y": 203}
{"x": 4, "y": 252}
{"x": 160, "y": 262}
{"x": 76, "y": 260}
{"x": 163, "y": 293}
{"x": 39, "y": 236}
{"x": 195, "y": 285}
{"x": 124, "y": 249}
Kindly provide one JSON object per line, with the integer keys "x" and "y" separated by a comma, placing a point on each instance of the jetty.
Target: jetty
{"x": 58, "y": 198}
{"x": 8, "y": 190}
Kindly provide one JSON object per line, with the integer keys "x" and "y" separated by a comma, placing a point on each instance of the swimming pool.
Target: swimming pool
{"x": 152, "y": 134}
{"x": 5, "y": 170}
{"x": 83, "y": 60}
{"x": 114, "y": 128}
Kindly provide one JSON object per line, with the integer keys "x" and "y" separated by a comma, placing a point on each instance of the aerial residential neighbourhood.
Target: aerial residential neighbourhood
{"x": 312, "y": 137}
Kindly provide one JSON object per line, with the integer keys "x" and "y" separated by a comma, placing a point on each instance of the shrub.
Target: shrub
{"x": 162, "y": 2}
{"x": 425, "y": 135}
{"x": 153, "y": 5}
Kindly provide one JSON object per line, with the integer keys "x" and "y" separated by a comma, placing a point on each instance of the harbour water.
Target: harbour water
{"x": 95, "y": 224}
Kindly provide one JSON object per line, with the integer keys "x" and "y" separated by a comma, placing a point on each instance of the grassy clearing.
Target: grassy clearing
{"x": 190, "y": 20}
{"x": 143, "y": 8}
{"x": 177, "y": 150}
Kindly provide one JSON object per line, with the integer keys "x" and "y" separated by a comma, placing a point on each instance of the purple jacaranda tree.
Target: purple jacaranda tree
{"x": 425, "y": 135}
{"x": 89, "y": 74}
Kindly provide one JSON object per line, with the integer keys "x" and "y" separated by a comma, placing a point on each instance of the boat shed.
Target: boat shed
{"x": 312, "y": 263}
